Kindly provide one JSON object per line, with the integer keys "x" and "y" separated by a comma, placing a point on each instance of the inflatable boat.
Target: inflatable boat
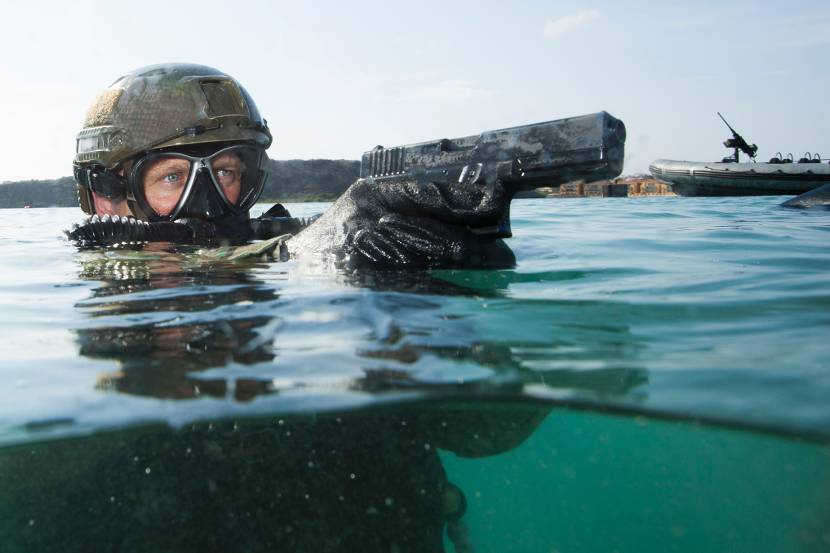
{"x": 729, "y": 177}
{"x": 696, "y": 178}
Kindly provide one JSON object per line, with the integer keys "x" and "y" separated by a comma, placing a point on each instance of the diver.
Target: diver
{"x": 177, "y": 153}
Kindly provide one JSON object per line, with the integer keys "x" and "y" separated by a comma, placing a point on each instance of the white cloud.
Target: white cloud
{"x": 452, "y": 91}
{"x": 556, "y": 27}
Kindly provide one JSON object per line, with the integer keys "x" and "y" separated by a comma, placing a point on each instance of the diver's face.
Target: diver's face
{"x": 164, "y": 180}
{"x": 107, "y": 206}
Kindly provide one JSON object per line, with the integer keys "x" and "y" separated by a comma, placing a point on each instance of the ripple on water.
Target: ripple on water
{"x": 712, "y": 307}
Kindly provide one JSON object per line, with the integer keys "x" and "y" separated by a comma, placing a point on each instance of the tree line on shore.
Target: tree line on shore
{"x": 289, "y": 181}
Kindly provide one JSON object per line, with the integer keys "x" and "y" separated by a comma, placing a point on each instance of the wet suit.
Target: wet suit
{"x": 389, "y": 225}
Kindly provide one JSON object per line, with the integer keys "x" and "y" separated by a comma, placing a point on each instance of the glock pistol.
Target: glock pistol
{"x": 589, "y": 147}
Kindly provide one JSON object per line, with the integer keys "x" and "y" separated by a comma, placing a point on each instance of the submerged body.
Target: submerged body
{"x": 356, "y": 482}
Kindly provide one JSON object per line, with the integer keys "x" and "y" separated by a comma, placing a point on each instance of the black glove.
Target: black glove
{"x": 402, "y": 224}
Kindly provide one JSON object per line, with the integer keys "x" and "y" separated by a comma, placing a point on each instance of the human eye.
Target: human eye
{"x": 227, "y": 177}
{"x": 166, "y": 173}
{"x": 172, "y": 178}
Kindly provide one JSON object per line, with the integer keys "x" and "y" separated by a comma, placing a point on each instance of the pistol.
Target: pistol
{"x": 589, "y": 147}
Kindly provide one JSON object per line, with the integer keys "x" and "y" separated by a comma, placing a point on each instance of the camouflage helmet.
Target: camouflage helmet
{"x": 163, "y": 106}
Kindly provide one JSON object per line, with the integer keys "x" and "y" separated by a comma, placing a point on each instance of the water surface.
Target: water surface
{"x": 652, "y": 375}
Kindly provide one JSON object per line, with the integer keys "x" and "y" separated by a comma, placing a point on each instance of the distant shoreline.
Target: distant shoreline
{"x": 318, "y": 180}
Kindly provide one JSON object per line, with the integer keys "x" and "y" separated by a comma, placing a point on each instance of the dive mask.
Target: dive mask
{"x": 169, "y": 185}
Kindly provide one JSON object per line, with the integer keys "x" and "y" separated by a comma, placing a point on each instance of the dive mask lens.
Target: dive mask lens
{"x": 162, "y": 180}
{"x": 236, "y": 173}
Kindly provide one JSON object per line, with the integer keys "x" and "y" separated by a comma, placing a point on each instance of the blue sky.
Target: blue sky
{"x": 336, "y": 78}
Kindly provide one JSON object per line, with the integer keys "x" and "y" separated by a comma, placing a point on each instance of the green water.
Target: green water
{"x": 587, "y": 482}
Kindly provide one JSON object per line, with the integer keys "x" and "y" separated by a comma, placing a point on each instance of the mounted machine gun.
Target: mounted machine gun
{"x": 738, "y": 143}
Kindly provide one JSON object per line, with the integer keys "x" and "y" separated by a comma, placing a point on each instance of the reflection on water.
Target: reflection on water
{"x": 167, "y": 320}
{"x": 160, "y": 338}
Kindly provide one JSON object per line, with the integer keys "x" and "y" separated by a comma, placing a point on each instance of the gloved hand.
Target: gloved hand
{"x": 404, "y": 224}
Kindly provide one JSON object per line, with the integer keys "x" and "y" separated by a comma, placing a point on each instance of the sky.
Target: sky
{"x": 334, "y": 79}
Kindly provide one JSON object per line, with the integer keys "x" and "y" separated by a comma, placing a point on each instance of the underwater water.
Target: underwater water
{"x": 652, "y": 376}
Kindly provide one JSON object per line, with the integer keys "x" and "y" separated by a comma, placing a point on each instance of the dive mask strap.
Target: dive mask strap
{"x": 101, "y": 180}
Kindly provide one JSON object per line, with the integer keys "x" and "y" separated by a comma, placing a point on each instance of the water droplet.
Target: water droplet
{"x": 31, "y": 522}
{"x": 112, "y": 499}
{"x": 147, "y": 470}
{"x": 352, "y": 476}
{"x": 427, "y": 447}
{"x": 280, "y": 422}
